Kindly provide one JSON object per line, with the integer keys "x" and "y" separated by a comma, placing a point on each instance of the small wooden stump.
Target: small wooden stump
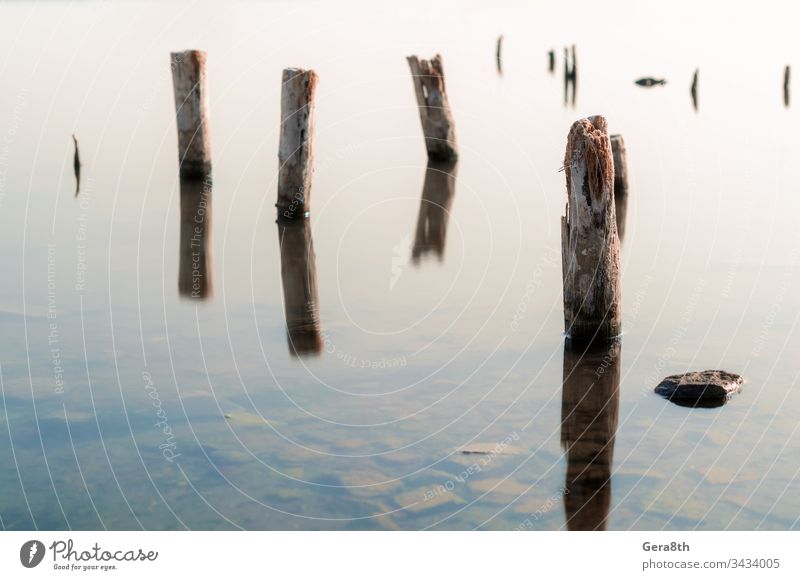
{"x": 194, "y": 264}
{"x": 434, "y": 108}
{"x": 191, "y": 108}
{"x": 710, "y": 388}
{"x": 300, "y": 297}
{"x": 296, "y": 151}
{"x": 620, "y": 165}
{"x": 589, "y": 240}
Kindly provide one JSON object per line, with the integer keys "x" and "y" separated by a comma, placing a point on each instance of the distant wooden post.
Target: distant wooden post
{"x": 551, "y": 57}
{"x": 786, "y": 74}
{"x": 589, "y": 242}
{"x": 434, "y": 108}
{"x": 620, "y": 165}
{"x": 694, "y": 88}
{"x": 500, "y": 54}
{"x": 191, "y": 108}
{"x": 296, "y": 151}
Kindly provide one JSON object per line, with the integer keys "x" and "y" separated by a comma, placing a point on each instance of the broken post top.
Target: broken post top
{"x": 295, "y": 151}
{"x": 191, "y": 109}
{"x": 434, "y": 108}
{"x": 588, "y": 144}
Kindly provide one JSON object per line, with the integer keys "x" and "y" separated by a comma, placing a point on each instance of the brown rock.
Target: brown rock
{"x": 700, "y": 387}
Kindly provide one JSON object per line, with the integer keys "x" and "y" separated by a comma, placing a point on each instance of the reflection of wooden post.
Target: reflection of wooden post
{"x": 194, "y": 266}
{"x": 589, "y": 241}
{"x": 295, "y": 152}
{"x": 434, "y": 108}
{"x": 299, "y": 277}
{"x": 434, "y": 210}
{"x": 589, "y": 416}
{"x": 191, "y": 108}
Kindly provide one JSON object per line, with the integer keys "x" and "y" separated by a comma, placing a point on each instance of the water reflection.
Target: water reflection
{"x": 194, "y": 264}
{"x": 434, "y": 210}
{"x": 589, "y": 415}
{"x": 299, "y": 277}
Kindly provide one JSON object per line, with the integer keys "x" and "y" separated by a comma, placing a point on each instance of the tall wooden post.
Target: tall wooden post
{"x": 589, "y": 241}
{"x": 191, "y": 108}
{"x": 296, "y": 151}
{"x": 434, "y": 108}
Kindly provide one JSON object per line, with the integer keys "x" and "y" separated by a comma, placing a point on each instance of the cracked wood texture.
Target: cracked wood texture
{"x": 589, "y": 241}
{"x": 191, "y": 109}
{"x": 434, "y": 108}
{"x": 295, "y": 152}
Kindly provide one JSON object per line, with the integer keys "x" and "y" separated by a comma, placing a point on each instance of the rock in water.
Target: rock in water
{"x": 700, "y": 387}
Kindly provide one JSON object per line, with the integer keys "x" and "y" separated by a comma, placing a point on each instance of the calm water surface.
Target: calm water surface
{"x": 433, "y": 294}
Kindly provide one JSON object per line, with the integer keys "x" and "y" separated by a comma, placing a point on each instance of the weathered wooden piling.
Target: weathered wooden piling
{"x": 300, "y": 296}
{"x": 434, "y": 108}
{"x": 589, "y": 418}
{"x": 589, "y": 240}
{"x": 551, "y": 58}
{"x": 296, "y": 149}
{"x": 438, "y": 192}
{"x": 500, "y": 54}
{"x": 620, "y": 164}
{"x": 76, "y": 164}
{"x": 195, "y": 271}
{"x": 191, "y": 108}
{"x": 786, "y": 85}
{"x": 694, "y": 88}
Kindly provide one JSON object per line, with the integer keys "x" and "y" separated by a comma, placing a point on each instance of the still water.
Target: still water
{"x": 416, "y": 376}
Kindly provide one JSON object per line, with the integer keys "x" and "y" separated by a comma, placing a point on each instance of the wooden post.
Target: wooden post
{"x": 296, "y": 150}
{"x": 434, "y": 210}
{"x": 694, "y": 88}
{"x": 299, "y": 277}
{"x": 589, "y": 417}
{"x": 786, "y": 74}
{"x": 589, "y": 240}
{"x": 434, "y": 108}
{"x": 620, "y": 165}
{"x": 191, "y": 108}
{"x": 500, "y": 54}
{"x": 551, "y": 56}
{"x": 194, "y": 263}
{"x": 76, "y": 164}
